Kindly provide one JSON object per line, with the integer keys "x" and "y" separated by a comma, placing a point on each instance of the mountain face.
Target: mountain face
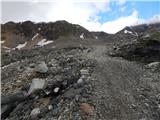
{"x": 62, "y": 71}
{"x": 14, "y": 34}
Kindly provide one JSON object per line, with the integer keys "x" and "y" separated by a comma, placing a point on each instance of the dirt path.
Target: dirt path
{"x": 116, "y": 83}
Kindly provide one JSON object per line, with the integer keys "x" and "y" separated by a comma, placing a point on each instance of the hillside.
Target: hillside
{"x": 62, "y": 71}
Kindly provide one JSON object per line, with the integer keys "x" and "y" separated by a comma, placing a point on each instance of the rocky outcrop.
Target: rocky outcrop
{"x": 144, "y": 49}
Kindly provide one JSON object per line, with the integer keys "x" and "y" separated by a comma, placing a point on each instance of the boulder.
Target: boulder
{"x": 36, "y": 84}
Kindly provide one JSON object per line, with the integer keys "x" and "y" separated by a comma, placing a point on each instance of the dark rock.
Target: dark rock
{"x": 71, "y": 93}
{"x": 13, "y": 98}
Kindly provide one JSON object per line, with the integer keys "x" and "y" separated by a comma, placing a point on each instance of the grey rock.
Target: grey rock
{"x": 19, "y": 96}
{"x": 37, "y": 84}
{"x": 50, "y": 107}
{"x": 80, "y": 81}
{"x": 84, "y": 72}
{"x": 55, "y": 111}
{"x": 41, "y": 67}
{"x": 54, "y": 63}
{"x": 35, "y": 111}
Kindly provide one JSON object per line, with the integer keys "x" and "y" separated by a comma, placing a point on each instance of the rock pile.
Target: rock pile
{"x": 56, "y": 87}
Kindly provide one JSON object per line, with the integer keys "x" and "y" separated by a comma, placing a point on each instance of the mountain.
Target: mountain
{"x": 62, "y": 71}
{"x": 26, "y": 35}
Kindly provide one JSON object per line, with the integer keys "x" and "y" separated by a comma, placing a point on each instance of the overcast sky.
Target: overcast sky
{"x": 95, "y": 15}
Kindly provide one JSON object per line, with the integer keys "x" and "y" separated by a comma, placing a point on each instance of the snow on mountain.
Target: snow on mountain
{"x": 44, "y": 42}
{"x": 82, "y": 36}
{"x": 21, "y": 45}
{"x": 34, "y": 37}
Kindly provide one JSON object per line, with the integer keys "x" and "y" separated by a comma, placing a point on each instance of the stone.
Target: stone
{"x": 50, "y": 107}
{"x": 37, "y": 84}
{"x": 80, "y": 81}
{"x": 84, "y": 72}
{"x": 86, "y": 108}
{"x": 41, "y": 67}
{"x": 56, "y": 89}
{"x": 35, "y": 111}
{"x": 45, "y": 101}
{"x": 53, "y": 63}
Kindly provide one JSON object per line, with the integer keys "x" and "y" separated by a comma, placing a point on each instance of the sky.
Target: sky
{"x": 95, "y": 15}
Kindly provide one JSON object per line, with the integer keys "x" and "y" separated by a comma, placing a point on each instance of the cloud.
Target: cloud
{"x": 115, "y": 25}
{"x": 154, "y": 19}
{"x": 83, "y": 12}
{"x": 77, "y": 12}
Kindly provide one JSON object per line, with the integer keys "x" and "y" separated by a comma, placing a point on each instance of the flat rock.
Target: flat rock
{"x": 37, "y": 84}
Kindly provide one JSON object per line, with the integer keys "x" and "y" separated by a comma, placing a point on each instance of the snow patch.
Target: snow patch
{"x": 35, "y": 36}
{"x": 126, "y": 31}
{"x": 82, "y": 36}
{"x": 21, "y": 45}
{"x": 44, "y": 42}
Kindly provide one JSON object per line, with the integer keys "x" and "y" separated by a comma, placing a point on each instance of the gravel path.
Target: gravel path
{"x": 117, "y": 87}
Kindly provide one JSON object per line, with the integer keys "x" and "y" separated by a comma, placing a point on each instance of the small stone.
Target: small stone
{"x": 80, "y": 81}
{"x": 32, "y": 65}
{"x": 87, "y": 108}
{"x": 50, "y": 107}
{"x": 53, "y": 63}
{"x": 18, "y": 81}
{"x": 84, "y": 72}
{"x": 77, "y": 97}
{"x": 35, "y": 111}
{"x": 45, "y": 101}
{"x": 56, "y": 89}
{"x": 41, "y": 67}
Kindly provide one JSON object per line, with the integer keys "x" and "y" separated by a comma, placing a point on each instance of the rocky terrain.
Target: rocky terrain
{"x": 62, "y": 71}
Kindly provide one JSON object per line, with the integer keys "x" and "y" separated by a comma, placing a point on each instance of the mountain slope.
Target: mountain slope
{"x": 59, "y": 73}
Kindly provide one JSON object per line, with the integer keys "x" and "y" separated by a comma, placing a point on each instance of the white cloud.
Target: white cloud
{"x": 114, "y": 25}
{"x": 154, "y": 19}
{"x": 118, "y": 24}
{"x": 83, "y": 12}
{"x": 77, "y": 12}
